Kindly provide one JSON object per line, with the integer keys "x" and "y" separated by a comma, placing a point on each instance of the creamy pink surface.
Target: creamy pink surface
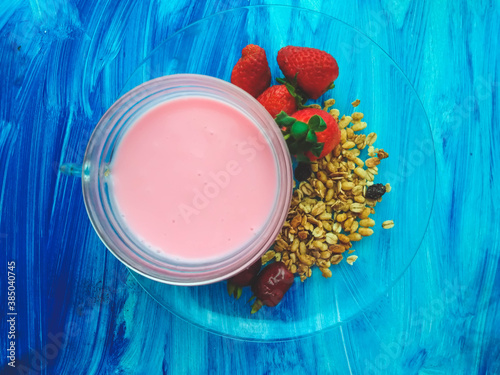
{"x": 194, "y": 178}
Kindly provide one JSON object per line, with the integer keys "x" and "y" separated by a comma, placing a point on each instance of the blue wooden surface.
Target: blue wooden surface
{"x": 57, "y": 63}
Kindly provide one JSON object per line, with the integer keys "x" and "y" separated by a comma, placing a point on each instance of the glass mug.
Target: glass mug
{"x": 96, "y": 178}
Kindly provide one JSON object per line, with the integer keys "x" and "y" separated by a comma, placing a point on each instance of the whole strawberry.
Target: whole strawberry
{"x": 276, "y": 99}
{"x": 330, "y": 137}
{"x": 245, "y": 278}
{"x": 271, "y": 285}
{"x": 315, "y": 70}
{"x": 251, "y": 72}
{"x": 309, "y": 133}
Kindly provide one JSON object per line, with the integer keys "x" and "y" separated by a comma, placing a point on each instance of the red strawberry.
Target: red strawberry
{"x": 271, "y": 285}
{"x": 276, "y": 99}
{"x": 251, "y": 72}
{"x": 245, "y": 278}
{"x": 330, "y": 136}
{"x": 315, "y": 69}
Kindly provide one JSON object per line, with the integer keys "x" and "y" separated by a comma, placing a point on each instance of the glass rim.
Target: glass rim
{"x": 139, "y": 258}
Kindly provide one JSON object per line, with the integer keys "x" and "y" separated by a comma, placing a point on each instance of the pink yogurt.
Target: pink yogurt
{"x": 194, "y": 178}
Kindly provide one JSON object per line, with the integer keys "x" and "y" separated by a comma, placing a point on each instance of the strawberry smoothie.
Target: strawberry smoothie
{"x": 194, "y": 178}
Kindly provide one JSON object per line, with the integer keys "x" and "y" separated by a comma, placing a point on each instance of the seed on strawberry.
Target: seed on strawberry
{"x": 251, "y": 72}
{"x": 271, "y": 285}
{"x": 276, "y": 99}
{"x": 315, "y": 70}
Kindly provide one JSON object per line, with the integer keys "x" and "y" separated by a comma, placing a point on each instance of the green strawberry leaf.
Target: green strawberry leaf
{"x": 299, "y": 96}
{"x": 282, "y": 119}
{"x": 289, "y": 139}
{"x": 301, "y": 158}
{"x": 283, "y": 81}
{"x": 230, "y": 288}
{"x": 303, "y": 147}
{"x": 293, "y": 148}
{"x": 330, "y": 86}
{"x": 256, "y": 306}
{"x": 317, "y": 149}
{"x": 317, "y": 124}
{"x": 238, "y": 292}
{"x": 311, "y": 137}
{"x": 299, "y": 130}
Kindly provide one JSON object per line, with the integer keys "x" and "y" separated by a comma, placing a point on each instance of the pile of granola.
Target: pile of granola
{"x": 329, "y": 211}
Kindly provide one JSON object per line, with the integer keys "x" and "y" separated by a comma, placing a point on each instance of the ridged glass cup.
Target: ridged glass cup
{"x": 98, "y": 193}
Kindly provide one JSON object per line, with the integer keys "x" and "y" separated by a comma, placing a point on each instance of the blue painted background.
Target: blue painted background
{"x": 58, "y": 60}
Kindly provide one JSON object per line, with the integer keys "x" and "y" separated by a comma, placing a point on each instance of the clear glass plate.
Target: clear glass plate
{"x": 392, "y": 109}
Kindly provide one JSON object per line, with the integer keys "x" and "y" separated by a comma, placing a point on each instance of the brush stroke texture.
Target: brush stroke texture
{"x": 58, "y": 60}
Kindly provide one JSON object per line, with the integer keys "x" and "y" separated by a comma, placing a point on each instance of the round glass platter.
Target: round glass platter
{"x": 391, "y": 109}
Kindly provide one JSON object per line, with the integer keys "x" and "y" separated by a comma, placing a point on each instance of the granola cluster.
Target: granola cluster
{"x": 330, "y": 211}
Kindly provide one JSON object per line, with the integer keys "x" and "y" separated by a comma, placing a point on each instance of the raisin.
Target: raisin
{"x": 303, "y": 171}
{"x": 375, "y": 191}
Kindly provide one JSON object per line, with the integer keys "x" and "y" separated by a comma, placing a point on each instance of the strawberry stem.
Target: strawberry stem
{"x": 299, "y": 96}
{"x": 238, "y": 292}
{"x": 256, "y": 306}
{"x": 230, "y": 288}
{"x": 299, "y": 136}
{"x": 234, "y": 290}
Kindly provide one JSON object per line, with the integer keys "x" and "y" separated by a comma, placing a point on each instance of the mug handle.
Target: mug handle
{"x": 71, "y": 169}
